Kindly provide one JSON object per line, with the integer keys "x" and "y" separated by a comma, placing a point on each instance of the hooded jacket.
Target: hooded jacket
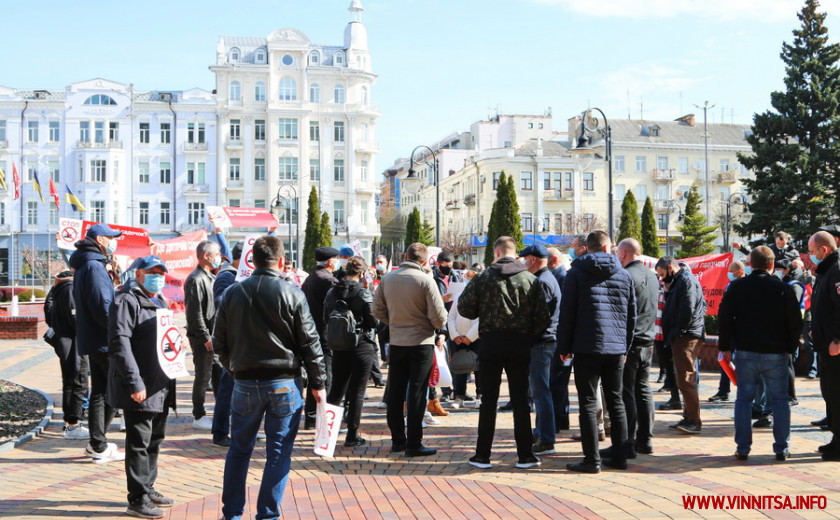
{"x": 685, "y": 308}
{"x": 360, "y": 301}
{"x": 598, "y": 309}
{"x": 93, "y": 292}
{"x": 506, "y": 298}
{"x": 59, "y": 309}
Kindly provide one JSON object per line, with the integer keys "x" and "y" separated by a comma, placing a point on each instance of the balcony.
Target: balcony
{"x": 664, "y": 175}
{"x": 195, "y": 147}
{"x": 196, "y": 189}
{"x": 233, "y": 144}
{"x": 727, "y": 177}
{"x": 453, "y": 204}
{"x": 234, "y": 185}
{"x": 366, "y": 187}
{"x": 660, "y": 205}
{"x": 469, "y": 200}
{"x": 99, "y": 146}
{"x": 367, "y": 146}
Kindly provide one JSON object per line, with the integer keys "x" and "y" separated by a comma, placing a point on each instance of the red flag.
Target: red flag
{"x": 16, "y": 179}
{"x": 54, "y": 193}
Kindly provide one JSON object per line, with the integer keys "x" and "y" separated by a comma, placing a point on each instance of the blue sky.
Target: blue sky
{"x": 442, "y": 64}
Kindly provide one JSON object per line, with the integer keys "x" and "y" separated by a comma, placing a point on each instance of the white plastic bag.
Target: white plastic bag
{"x": 327, "y": 425}
{"x": 443, "y": 367}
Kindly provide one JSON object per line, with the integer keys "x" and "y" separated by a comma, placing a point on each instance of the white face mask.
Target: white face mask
{"x": 342, "y": 262}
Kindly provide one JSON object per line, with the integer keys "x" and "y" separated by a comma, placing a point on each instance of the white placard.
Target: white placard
{"x": 170, "y": 346}
{"x": 434, "y": 251}
{"x": 327, "y": 425}
{"x": 217, "y": 215}
{"x": 356, "y": 246}
{"x": 69, "y": 232}
{"x": 456, "y": 288}
{"x": 246, "y": 261}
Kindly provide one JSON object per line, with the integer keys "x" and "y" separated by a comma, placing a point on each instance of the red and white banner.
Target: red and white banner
{"x": 711, "y": 271}
{"x": 179, "y": 256}
{"x": 133, "y": 242}
{"x": 246, "y": 263}
{"x": 223, "y": 216}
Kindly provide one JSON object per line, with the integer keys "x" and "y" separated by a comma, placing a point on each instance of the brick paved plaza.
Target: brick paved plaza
{"x": 51, "y": 477}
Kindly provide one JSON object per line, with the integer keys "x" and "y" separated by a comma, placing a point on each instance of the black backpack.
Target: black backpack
{"x": 341, "y": 333}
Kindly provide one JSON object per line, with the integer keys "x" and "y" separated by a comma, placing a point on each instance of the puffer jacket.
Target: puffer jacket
{"x": 598, "y": 308}
{"x": 685, "y": 308}
{"x": 506, "y": 298}
{"x": 825, "y": 304}
{"x": 93, "y": 292}
{"x": 132, "y": 352}
{"x": 264, "y": 330}
{"x": 360, "y": 301}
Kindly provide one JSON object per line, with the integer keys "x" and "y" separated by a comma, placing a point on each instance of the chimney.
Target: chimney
{"x": 687, "y": 119}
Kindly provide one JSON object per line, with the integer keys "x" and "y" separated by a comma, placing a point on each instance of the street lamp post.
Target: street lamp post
{"x": 277, "y": 207}
{"x": 585, "y": 146}
{"x": 670, "y": 206}
{"x": 412, "y": 175}
{"x": 734, "y": 199}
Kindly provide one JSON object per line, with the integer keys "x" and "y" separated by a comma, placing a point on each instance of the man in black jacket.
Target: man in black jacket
{"x": 264, "y": 334}
{"x": 315, "y": 288}
{"x": 782, "y": 250}
{"x": 759, "y": 317}
{"x": 597, "y": 319}
{"x": 138, "y": 384}
{"x": 825, "y": 330}
{"x": 683, "y": 328}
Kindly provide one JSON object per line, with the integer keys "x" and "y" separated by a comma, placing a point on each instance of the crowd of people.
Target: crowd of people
{"x": 276, "y": 344}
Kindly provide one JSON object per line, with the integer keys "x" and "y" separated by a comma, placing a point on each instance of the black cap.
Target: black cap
{"x": 537, "y": 250}
{"x": 834, "y": 229}
{"x": 325, "y": 253}
{"x": 784, "y": 263}
{"x": 64, "y": 274}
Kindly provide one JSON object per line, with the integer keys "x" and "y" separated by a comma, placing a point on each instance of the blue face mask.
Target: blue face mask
{"x": 216, "y": 263}
{"x": 572, "y": 254}
{"x": 112, "y": 247}
{"x": 154, "y": 283}
{"x": 815, "y": 260}
{"x": 731, "y": 277}
{"x": 748, "y": 270}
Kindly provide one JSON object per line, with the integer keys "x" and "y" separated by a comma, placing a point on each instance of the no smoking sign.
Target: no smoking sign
{"x": 170, "y": 345}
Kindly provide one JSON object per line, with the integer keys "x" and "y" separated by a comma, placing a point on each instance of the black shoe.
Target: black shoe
{"x": 793, "y": 402}
{"x": 144, "y": 509}
{"x": 614, "y": 463}
{"x": 665, "y": 390}
{"x": 671, "y": 405}
{"x": 352, "y": 443}
{"x": 827, "y": 447}
{"x": 783, "y": 455}
{"x": 811, "y": 375}
{"x": 719, "y": 397}
{"x": 584, "y": 467}
{"x": 160, "y": 500}
{"x": 543, "y": 448}
{"x": 528, "y": 463}
{"x": 397, "y": 447}
{"x": 688, "y": 427}
{"x": 764, "y": 422}
{"x": 676, "y": 426}
{"x": 444, "y": 398}
{"x": 660, "y": 378}
{"x": 821, "y": 422}
{"x": 422, "y": 451}
{"x": 833, "y": 455}
{"x": 507, "y": 407}
{"x": 222, "y": 443}
{"x": 562, "y": 426}
{"x": 645, "y": 449}
{"x": 757, "y": 415}
{"x": 609, "y": 453}
{"x": 468, "y": 397}
{"x": 309, "y": 423}
{"x": 480, "y": 462}
{"x": 741, "y": 456}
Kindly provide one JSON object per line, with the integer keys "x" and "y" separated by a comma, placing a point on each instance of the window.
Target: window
{"x": 742, "y": 170}
{"x": 662, "y": 162}
{"x": 259, "y": 91}
{"x": 288, "y": 168}
{"x": 115, "y": 171}
{"x": 661, "y": 193}
{"x": 526, "y": 180}
{"x": 143, "y": 169}
{"x": 32, "y": 131}
{"x": 97, "y": 208}
{"x": 588, "y": 222}
{"x": 259, "y": 57}
{"x": 338, "y": 94}
{"x": 618, "y": 163}
{"x": 314, "y": 93}
{"x": 84, "y": 131}
{"x": 314, "y": 58}
{"x": 165, "y": 133}
{"x": 724, "y": 194}
{"x": 288, "y": 89}
{"x": 338, "y": 131}
{"x": 55, "y": 133}
{"x": 339, "y": 58}
{"x": 314, "y": 170}
{"x": 364, "y": 96}
{"x": 530, "y": 125}
{"x": 363, "y": 212}
{"x": 233, "y": 169}
{"x": 234, "y": 129}
{"x": 32, "y": 213}
{"x": 287, "y": 60}
{"x": 99, "y": 132}
{"x": 526, "y": 221}
{"x": 100, "y": 99}
{"x": 81, "y": 170}
{"x": 235, "y": 91}
{"x": 641, "y": 163}
{"x": 314, "y": 131}
{"x": 363, "y": 130}
{"x": 588, "y": 181}
{"x": 53, "y": 216}
{"x": 143, "y": 215}
{"x": 662, "y": 221}
{"x": 54, "y": 171}
{"x": 259, "y": 203}
{"x": 640, "y": 191}
{"x": 97, "y": 172}
{"x": 619, "y": 191}
{"x": 558, "y": 181}
{"x": 196, "y": 173}
{"x": 568, "y": 182}
{"x": 683, "y": 192}
{"x": 682, "y": 165}
{"x": 144, "y": 133}
{"x": 164, "y": 214}
{"x": 363, "y": 170}
{"x": 540, "y": 126}
{"x": 195, "y": 133}
{"x": 546, "y": 180}
{"x": 2, "y": 129}
{"x": 234, "y": 203}
{"x": 30, "y": 172}
{"x": 165, "y": 173}
{"x": 259, "y": 129}
{"x": 234, "y": 55}
{"x": 338, "y": 212}
{"x": 724, "y": 165}
{"x": 113, "y": 131}
{"x": 259, "y": 169}
{"x": 195, "y": 213}
{"x": 288, "y": 128}
{"x": 338, "y": 170}
{"x": 558, "y": 223}
{"x": 496, "y": 176}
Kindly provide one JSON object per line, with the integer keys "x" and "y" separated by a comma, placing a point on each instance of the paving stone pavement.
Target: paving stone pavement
{"x": 50, "y": 477}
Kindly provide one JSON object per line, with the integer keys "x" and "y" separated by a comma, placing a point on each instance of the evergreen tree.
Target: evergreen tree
{"x": 413, "y": 228}
{"x": 630, "y": 226}
{"x": 326, "y": 233}
{"x": 427, "y": 233}
{"x": 312, "y": 233}
{"x": 650, "y": 239}
{"x": 512, "y": 223}
{"x": 697, "y": 237}
{"x": 795, "y": 158}
{"x": 492, "y": 223}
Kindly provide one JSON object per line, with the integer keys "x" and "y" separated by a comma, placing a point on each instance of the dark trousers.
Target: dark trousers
{"x": 100, "y": 414}
{"x": 309, "y": 406}
{"x": 409, "y": 369}
{"x": 144, "y": 431}
{"x": 223, "y": 390}
{"x": 666, "y": 361}
{"x": 638, "y": 396}
{"x": 351, "y": 370}
{"x": 561, "y": 372}
{"x": 829, "y": 376}
{"x": 74, "y": 374}
{"x": 590, "y": 369}
{"x": 511, "y": 352}
{"x": 375, "y": 371}
{"x": 203, "y": 363}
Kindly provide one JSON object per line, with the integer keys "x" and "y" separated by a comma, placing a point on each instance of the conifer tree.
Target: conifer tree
{"x": 326, "y": 231}
{"x": 630, "y": 226}
{"x": 312, "y": 233}
{"x": 650, "y": 239}
{"x": 492, "y": 222}
{"x": 427, "y": 233}
{"x": 413, "y": 228}
{"x": 697, "y": 238}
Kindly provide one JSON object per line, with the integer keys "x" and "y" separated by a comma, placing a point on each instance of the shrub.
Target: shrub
{"x": 6, "y": 293}
{"x": 712, "y": 325}
{"x": 26, "y": 295}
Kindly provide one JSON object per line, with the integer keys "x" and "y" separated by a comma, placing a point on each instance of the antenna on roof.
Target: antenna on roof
{"x": 641, "y": 108}
{"x": 628, "y": 105}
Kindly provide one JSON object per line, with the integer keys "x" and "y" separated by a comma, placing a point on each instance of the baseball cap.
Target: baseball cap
{"x": 150, "y": 262}
{"x": 537, "y": 250}
{"x": 834, "y": 229}
{"x": 347, "y": 251}
{"x": 102, "y": 230}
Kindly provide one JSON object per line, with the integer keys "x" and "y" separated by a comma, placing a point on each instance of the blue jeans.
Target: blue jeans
{"x": 281, "y": 402}
{"x": 540, "y": 376}
{"x": 772, "y": 369}
{"x": 221, "y": 414}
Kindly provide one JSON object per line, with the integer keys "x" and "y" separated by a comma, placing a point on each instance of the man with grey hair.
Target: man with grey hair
{"x": 200, "y": 310}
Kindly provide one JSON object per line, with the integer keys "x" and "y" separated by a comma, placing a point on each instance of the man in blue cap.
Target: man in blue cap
{"x": 93, "y": 292}
{"x": 345, "y": 253}
{"x": 138, "y": 384}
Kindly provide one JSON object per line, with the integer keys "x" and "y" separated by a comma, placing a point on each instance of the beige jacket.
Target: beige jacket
{"x": 408, "y": 301}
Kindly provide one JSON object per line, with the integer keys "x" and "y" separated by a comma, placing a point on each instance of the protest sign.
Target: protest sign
{"x": 223, "y": 216}
{"x": 327, "y": 424}
{"x": 246, "y": 264}
{"x": 170, "y": 346}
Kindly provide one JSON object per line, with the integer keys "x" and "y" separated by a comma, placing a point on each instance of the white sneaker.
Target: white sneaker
{"x": 76, "y": 433}
{"x": 111, "y": 454}
{"x": 457, "y": 403}
{"x": 383, "y": 404}
{"x": 428, "y": 418}
{"x": 205, "y": 423}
